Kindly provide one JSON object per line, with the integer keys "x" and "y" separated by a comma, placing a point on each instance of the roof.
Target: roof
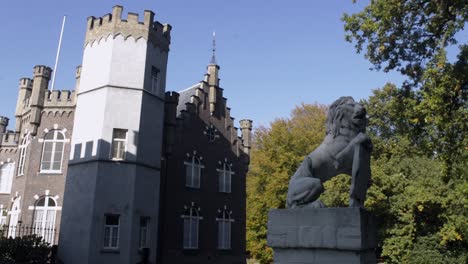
{"x": 185, "y": 95}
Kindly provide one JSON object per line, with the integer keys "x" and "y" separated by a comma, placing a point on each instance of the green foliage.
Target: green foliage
{"x": 277, "y": 152}
{"x": 405, "y": 34}
{"x": 416, "y": 210}
{"x": 431, "y": 108}
{"x": 26, "y": 249}
{"x": 419, "y": 165}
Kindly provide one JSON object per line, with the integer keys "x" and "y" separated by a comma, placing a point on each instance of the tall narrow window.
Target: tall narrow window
{"x": 155, "y": 80}
{"x": 193, "y": 170}
{"x": 3, "y": 217}
{"x": 45, "y": 213}
{"x": 224, "y": 176}
{"x": 111, "y": 231}
{"x": 14, "y": 217}
{"x": 144, "y": 223}
{"x": 191, "y": 223}
{"x": 224, "y": 228}
{"x": 119, "y": 144}
{"x": 6, "y": 177}
{"x": 22, "y": 158}
{"x": 52, "y": 153}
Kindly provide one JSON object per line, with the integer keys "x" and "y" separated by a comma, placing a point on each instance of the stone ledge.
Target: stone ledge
{"x": 322, "y": 228}
{"x": 323, "y": 256}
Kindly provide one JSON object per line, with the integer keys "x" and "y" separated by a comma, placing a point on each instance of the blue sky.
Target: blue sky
{"x": 273, "y": 54}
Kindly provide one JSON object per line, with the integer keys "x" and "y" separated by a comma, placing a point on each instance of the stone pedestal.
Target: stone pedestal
{"x": 322, "y": 236}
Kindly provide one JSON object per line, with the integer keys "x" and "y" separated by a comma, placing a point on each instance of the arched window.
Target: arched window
{"x": 191, "y": 218}
{"x": 45, "y": 212}
{"x": 6, "y": 176}
{"x": 22, "y": 158}
{"x": 52, "y": 153}
{"x": 14, "y": 217}
{"x": 224, "y": 176}
{"x": 193, "y": 168}
{"x": 224, "y": 228}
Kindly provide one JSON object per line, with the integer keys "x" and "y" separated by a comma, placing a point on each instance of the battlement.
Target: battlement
{"x": 25, "y": 83}
{"x": 3, "y": 121}
{"x": 172, "y": 97}
{"x": 57, "y": 98}
{"x": 41, "y": 70}
{"x": 113, "y": 24}
{"x": 246, "y": 124}
{"x": 10, "y": 139}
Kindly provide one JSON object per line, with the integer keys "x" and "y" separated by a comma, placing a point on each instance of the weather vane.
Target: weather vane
{"x": 213, "y": 57}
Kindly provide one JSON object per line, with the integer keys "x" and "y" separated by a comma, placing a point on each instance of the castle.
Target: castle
{"x": 120, "y": 164}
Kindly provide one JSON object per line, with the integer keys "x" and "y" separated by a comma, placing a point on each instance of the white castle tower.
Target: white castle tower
{"x": 112, "y": 189}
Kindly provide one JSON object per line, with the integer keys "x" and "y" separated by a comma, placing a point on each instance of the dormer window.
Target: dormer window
{"x": 119, "y": 144}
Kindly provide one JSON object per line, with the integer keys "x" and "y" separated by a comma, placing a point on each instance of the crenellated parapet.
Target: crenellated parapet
{"x": 113, "y": 24}
{"x": 64, "y": 98}
{"x": 3, "y": 124}
{"x": 9, "y": 139}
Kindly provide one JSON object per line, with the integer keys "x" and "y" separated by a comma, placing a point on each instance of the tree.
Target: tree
{"x": 276, "y": 153}
{"x": 411, "y": 36}
{"x": 420, "y": 167}
{"x": 404, "y": 35}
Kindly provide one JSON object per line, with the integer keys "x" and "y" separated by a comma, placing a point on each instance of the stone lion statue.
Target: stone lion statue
{"x": 345, "y": 149}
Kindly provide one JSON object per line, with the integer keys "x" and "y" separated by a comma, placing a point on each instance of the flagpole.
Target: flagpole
{"x": 58, "y": 54}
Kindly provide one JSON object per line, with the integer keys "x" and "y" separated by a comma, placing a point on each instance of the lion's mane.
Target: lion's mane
{"x": 337, "y": 112}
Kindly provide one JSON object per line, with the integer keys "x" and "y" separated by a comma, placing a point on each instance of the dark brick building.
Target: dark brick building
{"x": 202, "y": 144}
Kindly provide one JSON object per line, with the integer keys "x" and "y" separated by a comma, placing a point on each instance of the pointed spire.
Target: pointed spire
{"x": 213, "y": 57}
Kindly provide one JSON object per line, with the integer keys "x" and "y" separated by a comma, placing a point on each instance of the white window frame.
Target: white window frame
{"x": 115, "y": 140}
{"x": 14, "y": 217}
{"x": 44, "y": 226}
{"x": 144, "y": 232}
{"x": 7, "y": 170}
{"x": 54, "y": 142}
{"x": 114, "y": 231}
{"x": 225, "y": 177}
{"x": 22, "y": 157}
{"x": 224, "y": 229}
{"x": 191, "y": 225}
{"x": 194, "y": 165}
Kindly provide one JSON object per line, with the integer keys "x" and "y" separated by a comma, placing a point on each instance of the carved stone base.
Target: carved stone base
{"x": 322, "y": 235}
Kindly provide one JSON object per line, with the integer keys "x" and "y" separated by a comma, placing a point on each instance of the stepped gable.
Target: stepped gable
{"x": 185, "y": 97}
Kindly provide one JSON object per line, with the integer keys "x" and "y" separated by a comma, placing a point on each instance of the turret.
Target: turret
{"x": 40, "y": 85}
{"x": 3, "y": 125}
{"x": 120, "y": 98}
{"x": 24, "y": 93}
{"x": 246, "y": 130}
{"x": 213, "y": 83}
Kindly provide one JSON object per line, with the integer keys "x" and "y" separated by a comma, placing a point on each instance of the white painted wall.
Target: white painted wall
{"x": 114, "y": 73}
